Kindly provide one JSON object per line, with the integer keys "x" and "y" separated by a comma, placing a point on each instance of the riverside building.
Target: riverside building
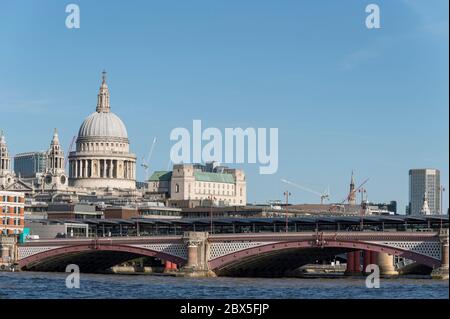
{"x": 191, "y": 185}
{"x": 12, "y": 208}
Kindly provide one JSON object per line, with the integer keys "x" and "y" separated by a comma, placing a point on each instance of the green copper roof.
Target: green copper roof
{"x": 214, "y": 177}
{"x": 161, "y": 176}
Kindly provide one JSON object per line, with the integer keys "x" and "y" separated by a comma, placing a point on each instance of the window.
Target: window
{"x": 177, "y": 188}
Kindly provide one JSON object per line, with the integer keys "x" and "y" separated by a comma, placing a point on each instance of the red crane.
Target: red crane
{"x": 354, "y": 191}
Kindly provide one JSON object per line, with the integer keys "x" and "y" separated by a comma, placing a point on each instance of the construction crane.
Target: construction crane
{"x": 69, "y": 150}
{"x": 145, "y": 161}
{"x": 323, "y": 196}
{"x": 354, "y": 191}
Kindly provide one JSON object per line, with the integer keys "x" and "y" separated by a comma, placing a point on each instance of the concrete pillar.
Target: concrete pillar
{"x": 357, "y": 261}
{"x": 4, "y": 253}
{"x": 386, "y": 264}
{"x": 192, "y": 261}
{"x": 367, "y": 259}
{"x": 350, "y": 263}
{"x": 373, "y": 257}
{"x": 443, "y": 271}
{"x": 444, "y": 253}
{"x": 197, "y": 255}
{"x": 8, "y": 247}
{"x": 167, "y": 265}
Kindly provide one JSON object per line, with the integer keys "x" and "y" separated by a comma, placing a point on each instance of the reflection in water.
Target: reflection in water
{"x": 52, "y": 285}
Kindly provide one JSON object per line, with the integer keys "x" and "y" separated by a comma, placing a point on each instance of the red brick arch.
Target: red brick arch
{"x": 99, "y": 247}
{"x": 229, "y": 259}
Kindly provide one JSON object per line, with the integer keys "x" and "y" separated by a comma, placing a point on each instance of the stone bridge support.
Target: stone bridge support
{"x": 442, "y": 272}
{"x": 386, "y": 263}
{"x": 197, "y": 255}
{"x": 353, "y": 263}
{"x": 8, "y": 252}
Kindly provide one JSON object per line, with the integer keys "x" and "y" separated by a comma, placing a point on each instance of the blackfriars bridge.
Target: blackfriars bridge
{"x": 200, "y": 253}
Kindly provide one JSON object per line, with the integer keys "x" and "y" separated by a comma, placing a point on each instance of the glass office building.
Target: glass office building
{"x": 30, "y": 164}
{"x": 424, "y": 182}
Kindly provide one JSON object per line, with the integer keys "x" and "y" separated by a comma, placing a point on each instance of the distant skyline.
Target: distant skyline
{"x": 342, "y": 96}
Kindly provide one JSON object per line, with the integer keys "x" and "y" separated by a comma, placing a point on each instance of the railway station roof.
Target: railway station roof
{"x": 306, "y": 220}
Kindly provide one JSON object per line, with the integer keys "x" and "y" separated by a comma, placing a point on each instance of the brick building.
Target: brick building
{"x": 12, "y": 209}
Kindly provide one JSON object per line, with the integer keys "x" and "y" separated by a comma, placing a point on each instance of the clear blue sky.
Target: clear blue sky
{"x": 343, "y": 97}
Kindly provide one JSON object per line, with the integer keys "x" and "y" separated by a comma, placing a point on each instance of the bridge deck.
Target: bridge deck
{"x": 246, "y": 237}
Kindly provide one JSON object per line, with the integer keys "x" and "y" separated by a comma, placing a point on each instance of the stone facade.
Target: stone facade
{"x": 187, "y": 182}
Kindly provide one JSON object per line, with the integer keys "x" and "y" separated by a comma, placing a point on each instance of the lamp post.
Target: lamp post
{"x": 211, "y": 198}
{"x": 287, "y": 194}
{"x": 364, "y": 204}
{"x": 442, "y": 190}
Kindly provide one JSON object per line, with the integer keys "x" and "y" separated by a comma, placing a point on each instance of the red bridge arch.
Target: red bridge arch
{"x": 226, "y": 260}
{"x": 99, "y": 247}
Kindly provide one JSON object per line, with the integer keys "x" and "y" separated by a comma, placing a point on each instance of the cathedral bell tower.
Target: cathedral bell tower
{"x": 6, "y": 173}
{"x": 55, "y": 177}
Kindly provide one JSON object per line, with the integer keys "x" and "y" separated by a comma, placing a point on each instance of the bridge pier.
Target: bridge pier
{"x": 386, "y": 263}
{"x": 197, "y": 255}
{"x": 8, "y": 252}
{"x": 370, "y": 258}
{"x": 353, "y": 263}
{"x": 367, "y": 260}
{"x": 442, "y": 272}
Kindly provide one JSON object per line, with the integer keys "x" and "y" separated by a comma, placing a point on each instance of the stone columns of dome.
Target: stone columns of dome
{"x": 131, "y": 170}
{"x": 104, "y": 168}
{"x": 111, "y": 168}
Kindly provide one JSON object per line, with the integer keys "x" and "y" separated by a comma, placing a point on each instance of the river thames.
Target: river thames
{"x": 36, "y": 285}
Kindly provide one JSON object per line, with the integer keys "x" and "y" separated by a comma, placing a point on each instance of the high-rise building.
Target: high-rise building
{"x": 30, "y": 164}
{"x": 424, "y": 183}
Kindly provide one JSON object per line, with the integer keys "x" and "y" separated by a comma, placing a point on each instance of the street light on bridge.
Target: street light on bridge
{"x": 287, "y": 194}
{"x": 212, "y": 199}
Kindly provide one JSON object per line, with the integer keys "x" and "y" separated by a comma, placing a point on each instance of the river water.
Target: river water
{"x": 35, "y": 285}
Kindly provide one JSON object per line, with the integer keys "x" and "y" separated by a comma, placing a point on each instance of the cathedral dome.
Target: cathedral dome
{"x": 102, "y": 159}
{"x": 103, "y": 124}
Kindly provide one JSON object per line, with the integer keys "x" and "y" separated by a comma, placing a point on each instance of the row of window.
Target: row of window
{"x": 12, "y": 199}
{"x": 14, "y": 231}
{"x": 225, "y": 200}
{"x": 6, "y": 221}
{"x": 214, "y": 192}
{"x": 213, "y": 185}
{"x": 5, "y": 209}
{"x": 99, "y": 146}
